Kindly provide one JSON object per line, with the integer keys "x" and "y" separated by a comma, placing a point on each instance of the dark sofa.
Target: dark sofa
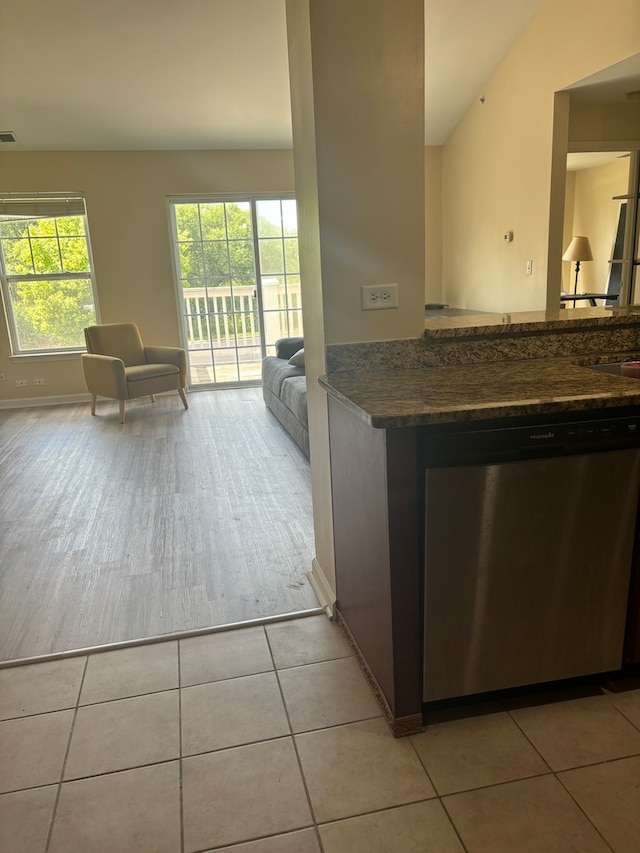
{"x": 284, "y": 389}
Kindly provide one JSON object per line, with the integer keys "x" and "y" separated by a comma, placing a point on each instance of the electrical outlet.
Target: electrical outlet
{"x": 379, "y": 296}
{"x": 3, "y": 377}
{"x": 40, "y": 381}
{"x": 20, "y": 383}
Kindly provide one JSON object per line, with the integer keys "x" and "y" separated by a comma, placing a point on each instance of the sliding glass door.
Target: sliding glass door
{"x": 238, "y": 283}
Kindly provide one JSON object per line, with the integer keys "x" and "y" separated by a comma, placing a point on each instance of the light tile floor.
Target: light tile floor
{"x": 267, "y": 740}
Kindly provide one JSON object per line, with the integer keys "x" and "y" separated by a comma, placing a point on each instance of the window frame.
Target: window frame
{"x": 253, "y": 200}
{"x": 38, "y": 206}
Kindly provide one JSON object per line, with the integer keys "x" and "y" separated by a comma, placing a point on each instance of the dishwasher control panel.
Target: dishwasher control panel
{"x": 485, "y": 444}
{"x": 623, "y": 429}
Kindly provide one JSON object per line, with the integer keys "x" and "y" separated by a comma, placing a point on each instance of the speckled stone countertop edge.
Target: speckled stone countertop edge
{"x": 498, "y": 411}
{"x": 528, "y": 322}
{"x": 608, "y": 335}
{"x": 486, "y": 412}
{"x": 354, "y": 408}
{"x": 404, "y": 407}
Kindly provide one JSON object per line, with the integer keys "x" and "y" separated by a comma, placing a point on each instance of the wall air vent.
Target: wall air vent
{"x": 7, "y": 136}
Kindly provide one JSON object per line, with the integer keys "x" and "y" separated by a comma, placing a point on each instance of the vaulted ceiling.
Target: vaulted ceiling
{"x": 191, "y": 74}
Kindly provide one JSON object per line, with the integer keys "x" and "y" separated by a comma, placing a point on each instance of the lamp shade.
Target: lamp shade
{"x": 578, "y": 250}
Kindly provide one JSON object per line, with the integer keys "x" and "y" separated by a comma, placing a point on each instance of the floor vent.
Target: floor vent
{"x": 7, "y": 136}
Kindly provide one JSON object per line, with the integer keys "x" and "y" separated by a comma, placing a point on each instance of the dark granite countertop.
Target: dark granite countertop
{"x": 388, "y": 399}
{"x": 481, "y": 324}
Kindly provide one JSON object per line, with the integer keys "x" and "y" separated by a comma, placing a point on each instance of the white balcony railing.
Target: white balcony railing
{"x": 221, "y": 317}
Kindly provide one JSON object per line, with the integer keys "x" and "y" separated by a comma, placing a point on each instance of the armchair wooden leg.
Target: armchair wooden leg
{"x": 121, "y": 402}
{"x": 183, "y": 397}
{"x": 93, "y": 404}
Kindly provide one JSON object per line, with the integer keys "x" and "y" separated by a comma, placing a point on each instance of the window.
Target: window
{"x": 277, "y": 228}
{"x": 238, "y": 281}
{"x": 47, "y": 275}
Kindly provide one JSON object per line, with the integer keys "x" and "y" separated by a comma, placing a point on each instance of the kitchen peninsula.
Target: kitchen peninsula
{"x": 387, "y": 400}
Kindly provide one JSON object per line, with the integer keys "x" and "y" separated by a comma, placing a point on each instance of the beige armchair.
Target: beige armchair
{"x": 118, "y": 365}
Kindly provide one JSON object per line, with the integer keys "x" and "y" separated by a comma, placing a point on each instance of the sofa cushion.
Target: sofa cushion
{"x": 275, "y": 371}
{"x": 286, "y": 347}
{"x": 297, "y": 359}
{"x": 287, "y": 420}
{"x": 294, "y": 396}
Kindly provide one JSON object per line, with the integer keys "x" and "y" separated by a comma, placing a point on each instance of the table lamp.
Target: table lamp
{"x": 578, "y": 250}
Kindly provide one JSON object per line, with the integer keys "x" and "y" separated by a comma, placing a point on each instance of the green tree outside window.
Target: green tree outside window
{"x": 48, "y": 281}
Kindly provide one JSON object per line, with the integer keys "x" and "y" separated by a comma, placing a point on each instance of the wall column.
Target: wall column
{"x": 357, "y": 100}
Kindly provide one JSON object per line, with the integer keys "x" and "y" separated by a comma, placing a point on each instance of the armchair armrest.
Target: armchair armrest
{"x": 105, "y": 375}
{"x": 168, "y": 355}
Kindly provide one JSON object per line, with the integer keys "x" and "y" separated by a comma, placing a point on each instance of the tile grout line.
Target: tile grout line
{"x": 620, "y": 711}
{"x": 576, "y": 766}
{"x": 315, "y": 663}
{"x": 180, "y": 757}
{"x": 294, "y": 744}
{"x": 222, "y": 749}
{"x": 124, "y": 698}
{"x": 438, "y": 797}
{"x": 341, "y": 725}
{"x": 530, "y": 742}
{"x": 498, "y": 784}
{"x": 556, "y": 776}
{"x": 452, "y": 822}
{"x": 54, "y": 812}
{"x": 596, "y": 763}
{"x": 386, "y": 808}
{"x": 102, "y": 774}
{"x": 582, "y": 811}
{"x": 316, "y": 826}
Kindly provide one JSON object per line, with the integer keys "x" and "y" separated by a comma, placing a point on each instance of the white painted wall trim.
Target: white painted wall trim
{"x": 30, "y": 402}
{"x": 322, "y": 588}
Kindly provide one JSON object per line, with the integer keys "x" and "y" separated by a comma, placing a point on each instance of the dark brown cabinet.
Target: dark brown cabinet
{"x": 377, "y": 494}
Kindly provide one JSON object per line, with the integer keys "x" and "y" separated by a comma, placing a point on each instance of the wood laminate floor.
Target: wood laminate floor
{"x": 174, "y": 521}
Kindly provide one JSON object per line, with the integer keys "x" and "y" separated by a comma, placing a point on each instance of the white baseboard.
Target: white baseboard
{"x": 322, "y": 588}
{"x": 30, "y": 402}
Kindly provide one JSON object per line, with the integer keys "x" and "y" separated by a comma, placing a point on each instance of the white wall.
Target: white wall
{"x": 497, "y": 164}
{"x": 433, "y": 223}
{"x": 359, "y": 165}
{"x": 595, "y": 214}
{"x": 126, "y": 194}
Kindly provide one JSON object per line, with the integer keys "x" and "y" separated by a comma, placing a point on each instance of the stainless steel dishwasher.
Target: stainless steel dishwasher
{"x": 529, "y": 534}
